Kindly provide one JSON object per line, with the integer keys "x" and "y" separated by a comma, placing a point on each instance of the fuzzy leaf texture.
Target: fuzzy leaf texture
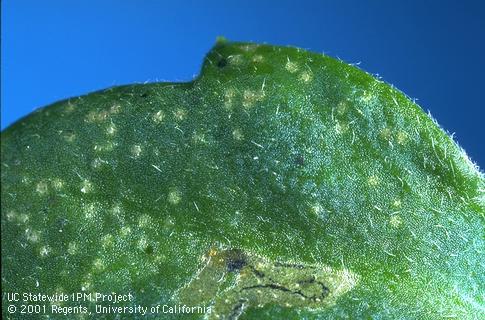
{"x": 279, "y": 184}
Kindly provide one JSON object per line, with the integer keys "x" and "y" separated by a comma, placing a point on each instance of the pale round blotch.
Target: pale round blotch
{"x": 199, "y": 137}
{"x": 111, "y": 129}
{"x": 107, "y": 241}
{"x": 258, "y": 58}
{"x": 32, "y": 235}
{"x": 144, "y": 221}
{"x": 395, "y": 221}
{"x": 401, "y": 137}
{"x": 44, "y": 251}
{"x": 229, "y": 96}
{"x": 306, "y": 76}
{"x": 97, "y": 163}
{"x": 11, "y": 215}
{"x": 291, "y": 67}
{"x": 57, "y": 183}
{"x": 180, "y": 114}
{"x": 158, "y": 116}
{"x": 116, "y": 108}
{"x": 23, "y": 218}
{"x": 174, "y": 196}
{"x": 237, "y": 134}
{"x": 98, "y": 264}
{"x": 125, "y": 231}
{"x": 385, "y": 134}
{"x": 396, "y": 203}
{"x": 366, "y": 97}
{"x": 42, "y": 188}
{"x": 373, "y": 180}
{"x": 72, "y": 248}
{"x": 90, "y": 211}
{"x": 95, "y": 116}
{"x": 136, "y": 151}
{"x": 250, "y": 97}
{"x": 235, "y": 59}
{"x": 86, "y": 186}
{"x": 342, "y": 107}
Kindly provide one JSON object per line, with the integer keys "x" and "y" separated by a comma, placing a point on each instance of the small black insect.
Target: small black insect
{"x": 235, "y": 260}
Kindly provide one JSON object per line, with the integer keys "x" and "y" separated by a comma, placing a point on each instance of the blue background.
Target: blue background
{"x": 432, "y": 50}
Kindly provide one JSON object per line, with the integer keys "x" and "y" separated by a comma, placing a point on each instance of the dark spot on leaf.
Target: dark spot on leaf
{"x": 235, "y": 260}
{"x": 299, "y": 160}
{"x": 222, "y": 63}
{"x": 61, "y": 223}
{"x": 149, "y": 249}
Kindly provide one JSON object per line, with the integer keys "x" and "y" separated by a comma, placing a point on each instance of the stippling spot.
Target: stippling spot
{"x": 237, "y": 134}
{"x": 107, "y": 241}
{"x": 26, "y": 180}
{"x": 292, "y": 67}
{"x": 11, "y": 215}
{"x": 57, "y": 184}
{"x": 373, "y": 180}
{"x": 111, "y": 129}
{"x": 258, "y": 58}
{"x": 317, "y": 209}
{"x": 87, "y": 284}
{"x": 105, "y": 147}
{"x": 342, "y": 107}
{"x": 32, "y": 235}
{"x": 401, "y": 137}
{"x": 199, "y": 137}
{"x": 396, "y": 203}
{"x": 42, "y": 188}
{"x": 136, "y": 151}
{"x": 86, "y": 186}
{"x": 249, "y": 47}
{"x": 306, "y": 76}
{"x": 144, "y": 221}
{"x": 385, "y": 134}
{"x": 116, "y": 210}
{"x": 250, "y": 97}
{"x": 180, "y": 114}
{"x": 72, "y": 248}
{"x": 366, "y": 97}
{"x": 341, "y": 127}
{"x": 236, "y": 59}
{"x": 235, "y": 280}
{"x": 95, "y": 116}
{"x": 142, "y": 243}
{"x": 395, "y": 221}
{"x": 98, "y": 265}
{"x": 68, "y": 136}
{"x": 125, "y": 231}
{"x": 44, "y": 251}
{"x": 174, "y": 196}
{"x": 229, "y": 96}
{"x": 115, "y": 109}
{"x": 90, "y": 211}
{"x": 97, "y": 163}
{"x": 158, "y": 116}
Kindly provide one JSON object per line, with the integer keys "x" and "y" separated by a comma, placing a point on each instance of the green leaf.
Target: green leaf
{"x": 279, "y": 184}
